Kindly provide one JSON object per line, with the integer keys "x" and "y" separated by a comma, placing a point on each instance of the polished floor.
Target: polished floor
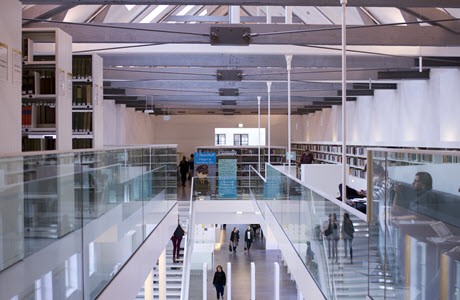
{"x": 241, "y": 267}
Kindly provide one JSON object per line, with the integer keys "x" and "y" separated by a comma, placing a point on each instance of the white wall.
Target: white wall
{"x": 125, "y": 126}
{"x": 252, "y": 133}
{"x": 10, "y": 92}
{"x": 420, "y": 113}
{"x": 192, "y": 131}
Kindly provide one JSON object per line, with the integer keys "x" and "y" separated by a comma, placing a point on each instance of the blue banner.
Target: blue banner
{"x": 227, "y": 178}
{"x": 205, "y": 158}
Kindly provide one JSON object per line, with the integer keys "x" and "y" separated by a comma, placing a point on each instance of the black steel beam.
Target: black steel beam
{"x": 375, "y": 86}
{"x": 409, "y": 74}
{"x": 357, "y": 92}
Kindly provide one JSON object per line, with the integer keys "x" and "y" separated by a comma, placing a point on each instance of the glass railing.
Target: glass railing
{"x": 220, "y": 188}
{"x": 91, "y": 210}
{"x": 415, "y": 224}
{"x": 304, "y": 216}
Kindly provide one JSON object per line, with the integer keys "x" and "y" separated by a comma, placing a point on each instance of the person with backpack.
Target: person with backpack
{"x": 348, "y": 233}
{"x": 176, "y": 240}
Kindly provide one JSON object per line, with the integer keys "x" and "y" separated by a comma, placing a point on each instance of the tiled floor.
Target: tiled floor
{"x": 241, "y": 268}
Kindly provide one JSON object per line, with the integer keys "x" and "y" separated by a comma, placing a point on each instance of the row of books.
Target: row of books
{"x": 82, "y": 121}
{"x": 38, "y": 144}
{"x": 82, "y": 67}
{"x": 38, "y": 82}
{"x": 82, "y": 143}
{"x": 26, "y": 115}
{"x": 82, "y": 94}
{"x": 45, "y": 114}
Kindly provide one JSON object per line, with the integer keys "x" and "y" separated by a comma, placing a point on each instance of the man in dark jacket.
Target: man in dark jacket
{"x": 248, "y": 237}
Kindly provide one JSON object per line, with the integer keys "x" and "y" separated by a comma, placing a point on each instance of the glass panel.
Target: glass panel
{"x": 115, "y": 197}
{"x": 415, "y": 223}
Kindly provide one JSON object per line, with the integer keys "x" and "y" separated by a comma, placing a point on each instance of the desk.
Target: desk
{"x": 423, "y": 269}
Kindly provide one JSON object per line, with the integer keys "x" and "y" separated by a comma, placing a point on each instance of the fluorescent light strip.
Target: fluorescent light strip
{"x": 154, "y": 13}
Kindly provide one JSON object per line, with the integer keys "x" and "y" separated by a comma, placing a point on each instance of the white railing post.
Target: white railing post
{"x": 205, "y": 281}
{"x": 148, "y": 287}
{"x": 162, "y": 275}
{"x": 253, "y": 281}
{"x": 277, "y": 281}
{"x": 229, "y": 281}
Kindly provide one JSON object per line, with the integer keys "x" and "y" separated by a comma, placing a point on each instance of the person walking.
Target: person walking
{"x": 348, "y": 233}
{"x": 248, "y": 237}
{"x": 327, "y": 229}
{"x": 191, "y": 164}
{"x": 176, "y": 240}
{"x": 335, "y": 238}
{"x": 235, "y": 238}
{"x": 183, "y": 169}
{"x": 219, "y": 281}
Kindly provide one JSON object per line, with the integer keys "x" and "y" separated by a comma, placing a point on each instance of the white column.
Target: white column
{"x": 288, "y": 14}
{"x": 269, "y": 86}
{"x": 299, "y": 295}
{"x": 277, "y": 281}
{"x": 288, "y": 67}
{"x": 344, "y": 98}
{"x": 205, "y": 281}
{"x": 148, "y": 287}
{"x": 234, "y": 12}
{"x": 253, "y": 281}
{"x": 268, "y": 13}
{"x": 162, "y": 275}
{"x": 229, "y": 281}
{"x": 258, "y": 125}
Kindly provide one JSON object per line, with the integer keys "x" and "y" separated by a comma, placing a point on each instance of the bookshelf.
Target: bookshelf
{"x": 87, "y": 94}
{"x": 331, "y": 153}
{"x": 46, "y": 89}
{"x": 246, "y": 156}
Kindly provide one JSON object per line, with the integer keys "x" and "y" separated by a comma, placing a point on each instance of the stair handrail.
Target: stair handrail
{"x": 188, "y": 248}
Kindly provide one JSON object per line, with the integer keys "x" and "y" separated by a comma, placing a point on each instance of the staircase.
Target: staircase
{"x": 351, "y": 280}
{"x": 173, "y": 270}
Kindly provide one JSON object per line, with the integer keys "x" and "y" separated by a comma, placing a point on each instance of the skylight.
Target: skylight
{"x": 154, "y": 13}
{"x": 203, "y": 13}
{"x": 129, "y": 7}
{"x": 185, "y": 10}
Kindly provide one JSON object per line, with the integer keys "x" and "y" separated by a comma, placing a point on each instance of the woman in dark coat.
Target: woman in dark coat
{"x": 219, "y": 281}
{"x": 235, "y": 238}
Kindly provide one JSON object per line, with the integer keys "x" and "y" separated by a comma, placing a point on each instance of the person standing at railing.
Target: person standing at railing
{"x": 348, "y": 233}
{"x": 219, "y": 281}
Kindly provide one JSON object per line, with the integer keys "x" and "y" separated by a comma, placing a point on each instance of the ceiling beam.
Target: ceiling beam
{"x": 249, "y": 74}
{"x": 265, "y": 34}
{"x": 199, "y": 85}
{"x": 253, "y": 60}
{"x": 369, "y": 3}
{"x": 224, "y": 19}
{"x": 433, "y": 13}
{"x": 44, "y": 12}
